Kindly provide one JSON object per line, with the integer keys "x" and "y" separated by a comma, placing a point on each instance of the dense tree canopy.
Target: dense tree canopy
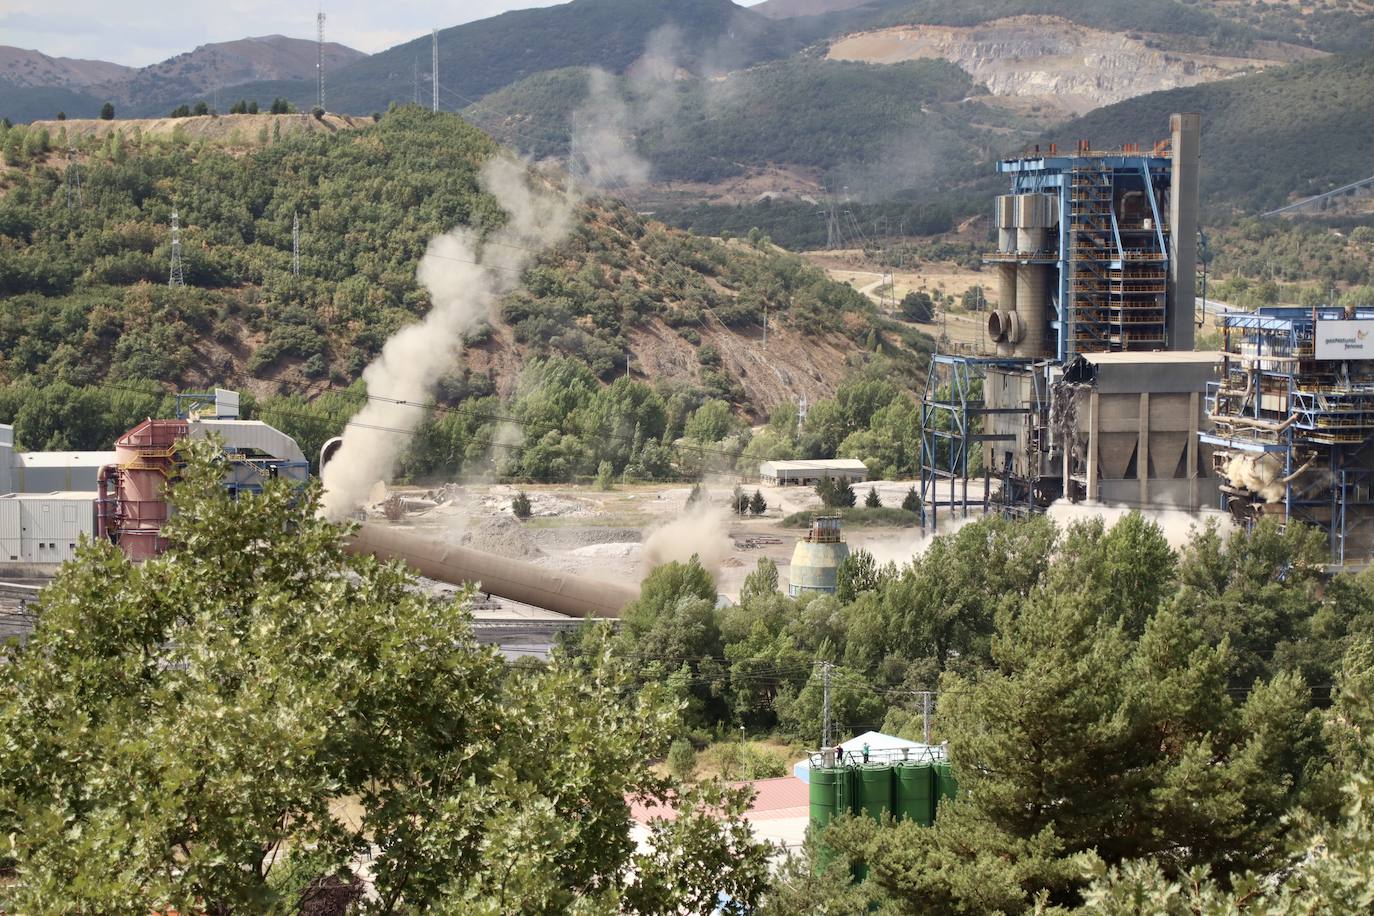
{"x": 285, "y": 713}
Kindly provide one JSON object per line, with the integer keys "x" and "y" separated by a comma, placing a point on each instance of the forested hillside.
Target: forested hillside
{"x": 85, "y": 309}
{"x": 1266, "y": 138}
{"x": 857, "y": 124}
{"x": 481, "y": 57}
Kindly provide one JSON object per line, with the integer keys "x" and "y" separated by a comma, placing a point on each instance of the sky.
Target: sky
{"x": 142, "y": 32}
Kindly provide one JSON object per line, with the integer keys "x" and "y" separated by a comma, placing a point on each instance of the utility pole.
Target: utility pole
{"x": 801, "y": 412}
{"x": 296, "y": 245}
{"x": 925, "y": 716}
{"x": 319, "y": 63}
{"x": 175, "y": 277}
{"x": 434, "y": 78}
{"x": 825, "y": 706}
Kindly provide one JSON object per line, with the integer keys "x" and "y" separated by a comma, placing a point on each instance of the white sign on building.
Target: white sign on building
{"x": 1345, "y": 339}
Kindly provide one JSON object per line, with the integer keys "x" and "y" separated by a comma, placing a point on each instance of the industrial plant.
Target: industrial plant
{"x": 1095, "y": 392}
{"x": 1293, "y": 416}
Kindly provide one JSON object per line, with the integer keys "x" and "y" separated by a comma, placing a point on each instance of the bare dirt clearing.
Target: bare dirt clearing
{"x": 604, "y": 533}
{"x": 1065, "y": 67}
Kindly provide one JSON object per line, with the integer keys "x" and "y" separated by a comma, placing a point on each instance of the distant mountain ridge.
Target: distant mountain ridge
{"x": 34, "y": 85}
{"x": 32, "y": 69}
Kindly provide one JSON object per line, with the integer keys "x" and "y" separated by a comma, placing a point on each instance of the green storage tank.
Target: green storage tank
{"x": 833, "y": 792}
{"x": 875, "y": 791}
{"x": 946, "y": 786}
{"x": 916, "y": 793}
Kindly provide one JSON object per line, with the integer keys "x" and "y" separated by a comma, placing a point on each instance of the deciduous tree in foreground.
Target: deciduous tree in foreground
{"x": 255, "y": 710}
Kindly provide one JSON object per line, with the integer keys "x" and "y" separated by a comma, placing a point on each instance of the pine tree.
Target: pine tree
{"x": 845, "y": 496}
{"x": 757, "y": 504}
{"x": 912, "y": 501}
{"x": 871, "y": 500}
{"x": 682, "y": 759}
{"x": 520, "y": 505}
{"x": 605, "y": 476}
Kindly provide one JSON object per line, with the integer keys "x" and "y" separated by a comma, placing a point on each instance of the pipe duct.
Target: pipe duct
{"x": 576, "y": 596}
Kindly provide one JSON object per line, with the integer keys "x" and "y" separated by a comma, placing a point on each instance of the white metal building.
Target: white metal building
{"x": 43, "y": 529}
{"x": 810, "y": 473}
{"x": 45, "y": 472}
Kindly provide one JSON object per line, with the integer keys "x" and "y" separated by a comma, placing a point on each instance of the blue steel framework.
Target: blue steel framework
{"x": 953, "y": 418}
{"x": 1112, "y": 249}
{"x": 1110, "y": 294}
{"x": 1313, "y": 417}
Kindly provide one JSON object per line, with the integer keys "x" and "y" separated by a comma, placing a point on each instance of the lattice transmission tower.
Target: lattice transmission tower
{"x": 175, "y": 277}
{"x": 296, "y": 245}
{"x": 434, "y": 78}
{"x": 319, "y": 63}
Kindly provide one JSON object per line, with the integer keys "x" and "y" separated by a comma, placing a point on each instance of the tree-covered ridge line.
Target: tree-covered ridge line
{"x": 847, "y": 120}
{"x": 1109, "y": 703}
{"x": 86, "y": 303}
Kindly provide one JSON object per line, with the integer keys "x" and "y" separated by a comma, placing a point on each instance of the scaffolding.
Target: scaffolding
{"x": 954, "y": 428}
{"x": 1117, "y": 266}
{"x": 1293, "y": 431}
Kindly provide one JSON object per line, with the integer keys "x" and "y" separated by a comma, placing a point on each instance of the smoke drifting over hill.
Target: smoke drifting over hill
{"x": 466, "y": 273}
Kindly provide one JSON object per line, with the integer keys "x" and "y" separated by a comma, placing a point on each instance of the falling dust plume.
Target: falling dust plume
{"x": 702, "y": 530}
{"x": 1177, "y": 525}
{"x": 602, "y": 129}
{"x": 466, "y": 275}
{"x": 1260, "y": 474}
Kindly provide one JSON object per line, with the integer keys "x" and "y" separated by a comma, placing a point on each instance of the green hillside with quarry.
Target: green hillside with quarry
{"x": 87, "y": 317}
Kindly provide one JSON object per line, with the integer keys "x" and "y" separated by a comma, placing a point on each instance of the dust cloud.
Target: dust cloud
{"x": 1260, "y": 474}
{"x": 602, "y": 137}
{"x": 904, "y": 552}
{"x": 1177, "y": 525}
{"x": 465, "y": 275}
{"x": 702, "y": 530}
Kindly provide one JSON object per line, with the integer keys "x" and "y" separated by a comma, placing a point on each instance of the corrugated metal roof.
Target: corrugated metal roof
{"x": 64, "y": 459}
{"x": 250, "y": 434}
{"x": 834, "y": 464}
{"x": 73, "y": 495}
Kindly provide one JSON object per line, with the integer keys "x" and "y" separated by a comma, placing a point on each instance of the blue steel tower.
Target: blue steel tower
{"x": 1096, "y": 250}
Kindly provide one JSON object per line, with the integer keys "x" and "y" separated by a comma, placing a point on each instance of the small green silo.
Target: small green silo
{"x": 916, "y": 793}
{"x": 946, "y": 786}
{"x": 816, "y": 559}
{"x": 827, "y": 784}
{"x": 875, "y": 791}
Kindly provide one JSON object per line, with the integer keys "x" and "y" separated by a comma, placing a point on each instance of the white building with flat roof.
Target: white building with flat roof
{"x": 810, "y": 473}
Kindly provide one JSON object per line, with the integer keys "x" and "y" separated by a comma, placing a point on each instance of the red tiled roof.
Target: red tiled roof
{"x": 783, "y": 797}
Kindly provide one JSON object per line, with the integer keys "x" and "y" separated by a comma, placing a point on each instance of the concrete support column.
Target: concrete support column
{"x": 1183, "y": 206}
{"x": 1092, "y": 447}
{"x": 1142, "y": 451}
